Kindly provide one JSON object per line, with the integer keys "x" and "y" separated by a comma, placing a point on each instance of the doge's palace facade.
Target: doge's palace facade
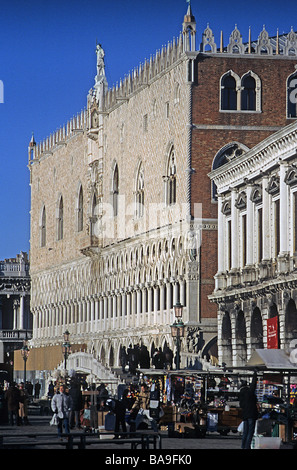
{"x": 113, "y": 245}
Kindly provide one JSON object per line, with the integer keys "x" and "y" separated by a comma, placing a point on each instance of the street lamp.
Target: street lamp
{"x": 66, "y": 347}
{"x": 25, "y": 353}
{"x": 178, "y": 330}
{"x": 178, "y": 310}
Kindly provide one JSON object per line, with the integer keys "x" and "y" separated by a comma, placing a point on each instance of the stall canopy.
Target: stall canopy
{"x": 271, "y": 359}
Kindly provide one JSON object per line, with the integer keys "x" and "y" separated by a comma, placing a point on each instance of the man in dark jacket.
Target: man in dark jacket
{"x": 248, "y": 405}
{"x": 77, "y": 404}
{"x": 13, "y": 398}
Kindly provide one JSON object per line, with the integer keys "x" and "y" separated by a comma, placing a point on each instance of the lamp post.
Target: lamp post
{"x": 66, "y": 347}
{"x": 25, "y": 353}
{"x": 178, "y": 330}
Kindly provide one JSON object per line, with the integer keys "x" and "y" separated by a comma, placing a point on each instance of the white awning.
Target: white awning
{"x": 271, "y": 359}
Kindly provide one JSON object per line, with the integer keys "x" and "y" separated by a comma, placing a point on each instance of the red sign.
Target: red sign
{"x": 272, "y": 333}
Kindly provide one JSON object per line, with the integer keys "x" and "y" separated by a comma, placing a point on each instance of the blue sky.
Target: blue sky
{"x": 48, "y": 64}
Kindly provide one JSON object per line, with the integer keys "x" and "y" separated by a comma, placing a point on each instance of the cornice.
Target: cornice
{"x": 267, "y": 154}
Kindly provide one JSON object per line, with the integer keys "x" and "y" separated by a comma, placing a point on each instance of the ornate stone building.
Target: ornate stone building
{"x": 123, "y": 213}
{"x": 257, "y": 224}
{"x": 16, "y": 321}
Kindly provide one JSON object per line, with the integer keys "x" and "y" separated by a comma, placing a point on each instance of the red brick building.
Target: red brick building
{"x": 240, "y": 96}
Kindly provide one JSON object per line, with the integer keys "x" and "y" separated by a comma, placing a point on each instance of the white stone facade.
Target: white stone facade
{"x": 257, "y": 220}
{"x": 104, "y": 266}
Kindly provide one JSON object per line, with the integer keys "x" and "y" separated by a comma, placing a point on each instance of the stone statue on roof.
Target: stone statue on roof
{"x": 100, "y": 60}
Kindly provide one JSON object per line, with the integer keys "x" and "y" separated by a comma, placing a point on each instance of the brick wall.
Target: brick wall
{"x": 213, "y": 129}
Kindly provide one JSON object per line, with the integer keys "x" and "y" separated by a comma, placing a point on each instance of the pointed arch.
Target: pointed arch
{"x": 80, "y": 209}
{"x": 250, "y": 92}
{"x": 60, "y": 218}
{"x": 93, "y": 214}
{"x": 115, "y": 189}
{"x": 229, "y": 91}
{"x": 170, "y": 177}
{"x": 139, "y": 191}
{"x": 42, "y": 227}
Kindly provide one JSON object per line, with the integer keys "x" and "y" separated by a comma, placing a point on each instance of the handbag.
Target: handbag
{"x": 54, "y": 420}
{"x": 240, "y": 427}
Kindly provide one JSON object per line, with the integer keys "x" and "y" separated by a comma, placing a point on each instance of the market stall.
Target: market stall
{"x": 195, "y": 403}
{"x": 205, "y": 401}
{"x": 276, "y": 390}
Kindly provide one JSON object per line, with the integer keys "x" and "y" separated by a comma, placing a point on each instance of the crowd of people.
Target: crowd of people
{"x": 139, "y": 356}
{"x": 72, "y": 408}
{"x": 17, "y": 399}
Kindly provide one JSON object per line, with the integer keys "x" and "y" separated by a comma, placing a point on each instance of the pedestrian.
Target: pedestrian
{"x": 120, "y": 415}
{"x": 37, "y": 390}
{"x": 249, "y": 409}
{"x": 51, "y": 390}
{"x": 61, "y": 405}
{"x": 29, "y": 387}
{"x": 23, "y": 406}
{"x": 144, "y": 357}
{"x": 132, "y": 359}
{"x": 77, "y": 404}
{"x": 124, "y": 358}
{"x": 142, "y": 407}
{"x": 12, "y": 395}
{"x": 103, "y": 395}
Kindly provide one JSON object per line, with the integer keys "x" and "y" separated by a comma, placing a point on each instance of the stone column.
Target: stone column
{"x": 266, "y": 219}
{"x": 162, "y": 302}
{"x": 283, "y": 215}
{"x": 128, "y": 308}
{"x": 114, "y": 310}
{"x": 250, "y": 227}
{"x": 15, "y": 314}
{"x": 149, "y": 300}
{"x": 234, "y": 227}
{"x": 155, "y": 304}
{"x": 124, "y": 309}
{"x": 101, "y": 313}
{"x": 105, "y": 307}
{"x": 138, "y": 309}
{"x": 248, "y": 271}
{"x": 183, "y": 292}
{"x": 92, "y": 314}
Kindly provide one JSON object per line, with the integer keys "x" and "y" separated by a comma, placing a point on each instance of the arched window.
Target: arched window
{"x": 256, "y": 329}
{"x": 171, "y": 178}
{"x": 43, "y": 228}
{"x": 60, "y": 219}
{"x": 225, "y": 155}
{"x": 292, "y": 96}
{"x": 248, "y": 94}
{"x": 240, "y": 94}
{"x": 228, "y": 92}
{"x": 93, "y": 218}
{"x": 139, "y": 193}
{"x": 115, "y": 190}
{"x": 80, "y": 212}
